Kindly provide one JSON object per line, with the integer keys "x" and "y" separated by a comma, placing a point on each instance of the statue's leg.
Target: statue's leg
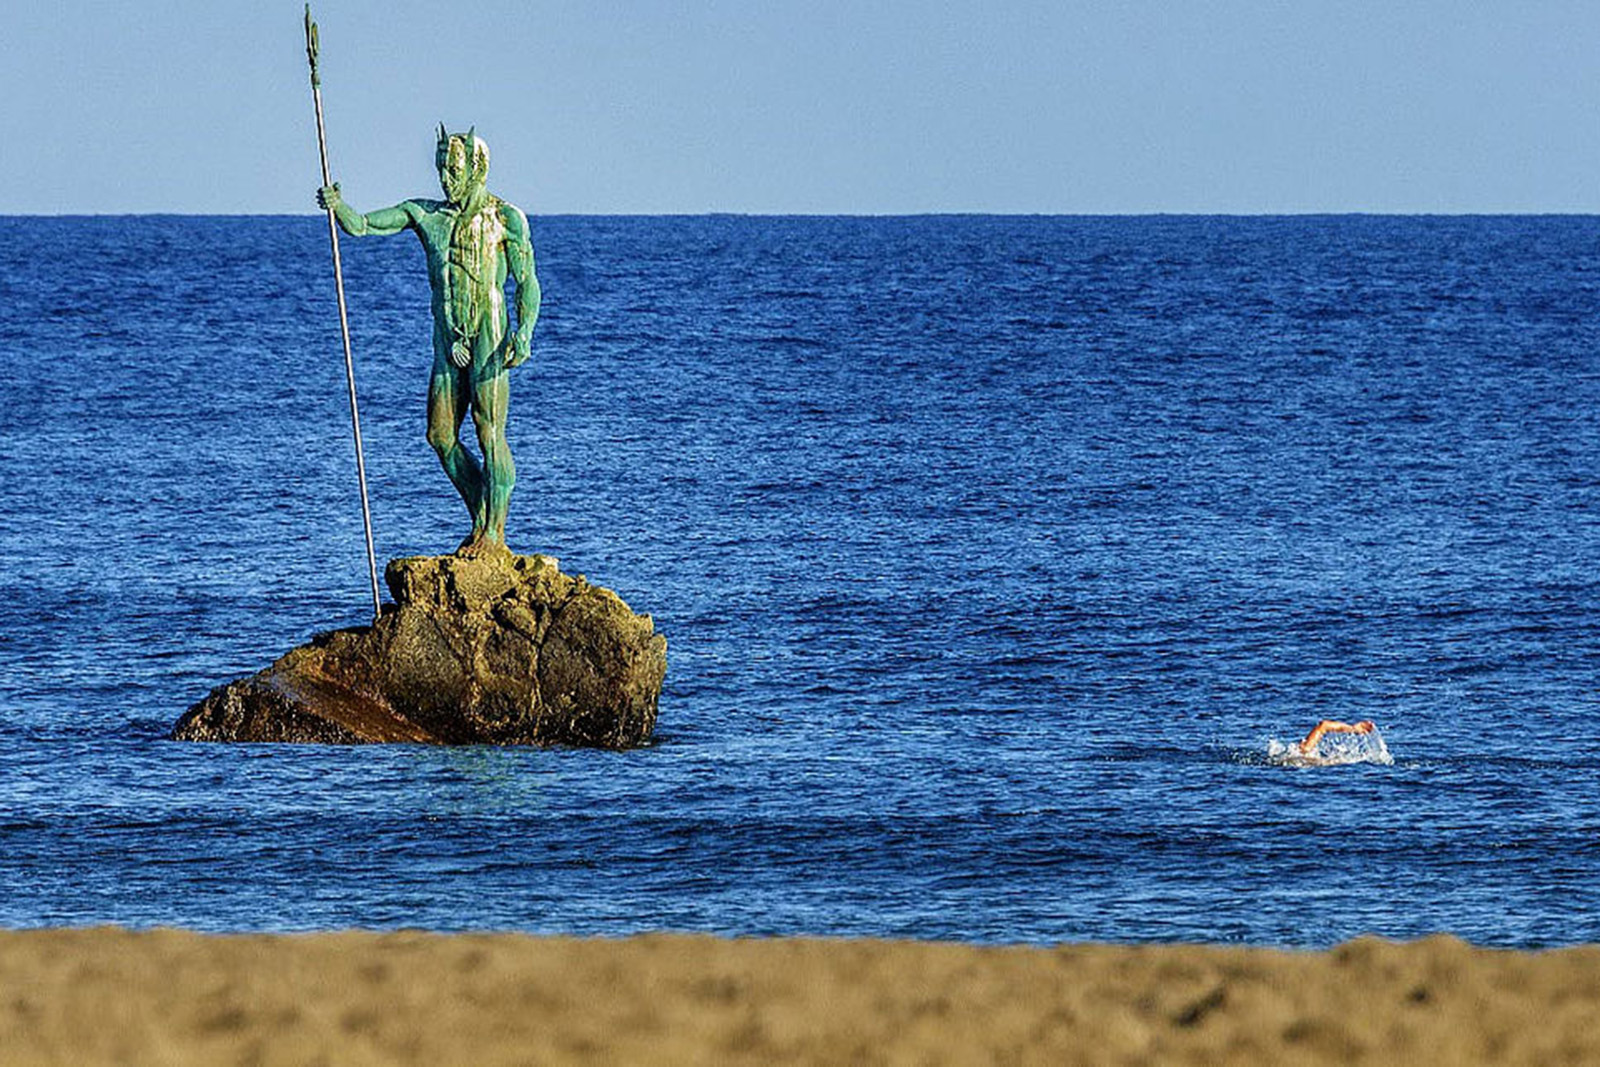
{"x": 447, "y": 405}
{"x": 491, "y": 395}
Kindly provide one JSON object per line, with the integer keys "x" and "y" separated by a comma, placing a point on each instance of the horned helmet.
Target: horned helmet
{"x": 463, "y": 163}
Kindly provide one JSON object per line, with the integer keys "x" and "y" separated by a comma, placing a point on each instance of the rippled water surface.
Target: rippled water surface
{"x": 993, "y": 554}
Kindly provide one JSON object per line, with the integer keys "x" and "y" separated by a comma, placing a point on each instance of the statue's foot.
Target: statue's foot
{"x": 479, "y": 544}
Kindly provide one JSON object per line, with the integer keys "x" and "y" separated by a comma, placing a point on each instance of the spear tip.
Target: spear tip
{"x": 312, "y": 45}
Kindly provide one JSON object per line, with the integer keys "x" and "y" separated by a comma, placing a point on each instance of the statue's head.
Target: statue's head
{"x": 463, "y": 162}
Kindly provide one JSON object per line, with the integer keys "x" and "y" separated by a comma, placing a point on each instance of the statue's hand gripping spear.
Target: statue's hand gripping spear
{"x": 344, "y": 321}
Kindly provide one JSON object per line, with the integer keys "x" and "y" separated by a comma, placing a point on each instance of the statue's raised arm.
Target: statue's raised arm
{"x": 382, "y": 223}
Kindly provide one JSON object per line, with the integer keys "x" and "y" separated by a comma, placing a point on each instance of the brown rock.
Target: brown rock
{"x": 494, "y": 649}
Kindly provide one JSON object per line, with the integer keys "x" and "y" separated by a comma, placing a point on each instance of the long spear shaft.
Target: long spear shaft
{"x": 344, "y": 319}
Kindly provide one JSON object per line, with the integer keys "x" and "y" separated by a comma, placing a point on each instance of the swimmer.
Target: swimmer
{"x": 1307, "y": 749}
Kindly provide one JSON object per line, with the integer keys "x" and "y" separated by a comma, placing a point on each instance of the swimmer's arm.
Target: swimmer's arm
{"x": 1333, "y": 726}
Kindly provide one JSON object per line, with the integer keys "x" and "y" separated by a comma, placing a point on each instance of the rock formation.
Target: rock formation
{"x": 497, "y": 649}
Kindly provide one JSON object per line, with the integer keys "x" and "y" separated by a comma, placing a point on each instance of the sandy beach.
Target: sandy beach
{"x": 172, "y": 997}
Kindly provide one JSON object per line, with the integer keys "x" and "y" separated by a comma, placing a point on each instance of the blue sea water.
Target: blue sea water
{"x": 993, "y": 552}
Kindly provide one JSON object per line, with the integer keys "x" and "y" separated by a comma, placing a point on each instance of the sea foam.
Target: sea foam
{"x": 1333, "y": 750}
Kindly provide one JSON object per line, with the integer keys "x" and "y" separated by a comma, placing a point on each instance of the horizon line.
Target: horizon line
{"x": 849, "y": 214}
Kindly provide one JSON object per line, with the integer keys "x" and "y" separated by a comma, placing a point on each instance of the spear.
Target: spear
{"x": 344, "y": 320}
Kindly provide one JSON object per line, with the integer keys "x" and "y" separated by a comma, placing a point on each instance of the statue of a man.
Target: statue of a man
{"x": 472, "y": 240}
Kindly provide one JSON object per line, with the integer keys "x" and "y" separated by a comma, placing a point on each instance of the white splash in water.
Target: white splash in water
{"x": 1333, "y": 750}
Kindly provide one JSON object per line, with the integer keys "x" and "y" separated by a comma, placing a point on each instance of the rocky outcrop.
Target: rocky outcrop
{"x": 498, "y": 649}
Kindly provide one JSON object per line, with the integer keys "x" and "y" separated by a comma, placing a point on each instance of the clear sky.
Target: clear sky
{"x": 820, "y": 106}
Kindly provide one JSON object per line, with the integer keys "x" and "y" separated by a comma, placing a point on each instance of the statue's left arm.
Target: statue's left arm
{"x": 519, "y": 256}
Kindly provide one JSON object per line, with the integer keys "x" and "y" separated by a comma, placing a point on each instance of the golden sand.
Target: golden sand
{"x": 170, "y": 997}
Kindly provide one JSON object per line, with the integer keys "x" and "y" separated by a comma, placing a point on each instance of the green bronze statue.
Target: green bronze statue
{"x": 473, "y": 240}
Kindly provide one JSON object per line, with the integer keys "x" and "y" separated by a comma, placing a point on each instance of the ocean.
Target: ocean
{"x": 995, "y": 555}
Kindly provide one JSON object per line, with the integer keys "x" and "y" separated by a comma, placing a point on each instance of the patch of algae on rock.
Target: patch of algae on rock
{"x": 492, "y": 649}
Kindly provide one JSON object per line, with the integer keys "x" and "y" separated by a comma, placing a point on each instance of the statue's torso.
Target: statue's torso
{"x": 466, "y": 268}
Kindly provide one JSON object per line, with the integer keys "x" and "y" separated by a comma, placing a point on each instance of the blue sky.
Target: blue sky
{"x": 811, "y": 107}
